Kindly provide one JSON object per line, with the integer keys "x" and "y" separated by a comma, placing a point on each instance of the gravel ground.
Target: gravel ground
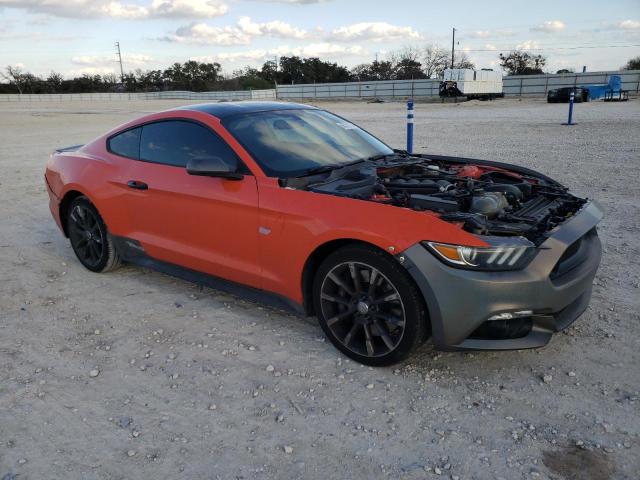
{"x": 134, "y": 374}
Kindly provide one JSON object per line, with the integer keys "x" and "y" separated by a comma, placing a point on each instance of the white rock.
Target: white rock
{"x": 131, "y": 453}
{"x": 370, "y": 386}
{"x": 270, "y": 368}
{"x": 94, "y": 373}
{"x": 547, "y": 378}
{"x": 287, "y": 449}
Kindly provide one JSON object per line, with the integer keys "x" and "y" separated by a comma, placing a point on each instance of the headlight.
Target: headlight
{"x": 504, "y": 253}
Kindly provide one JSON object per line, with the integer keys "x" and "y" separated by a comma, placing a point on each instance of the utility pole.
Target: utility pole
{"x": 453, "y": 46}
{"x": 120, "y": 61}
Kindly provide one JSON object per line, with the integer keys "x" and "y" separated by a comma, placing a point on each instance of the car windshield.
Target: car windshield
{"x": 288, "y": 143}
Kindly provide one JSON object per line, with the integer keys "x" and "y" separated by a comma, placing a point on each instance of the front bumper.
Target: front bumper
{"x": 556, "y": 288}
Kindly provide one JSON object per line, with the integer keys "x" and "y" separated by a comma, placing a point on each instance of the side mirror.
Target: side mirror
{"x": 213, "y": 167}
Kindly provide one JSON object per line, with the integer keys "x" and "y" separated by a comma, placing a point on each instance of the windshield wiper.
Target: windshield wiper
{"x": 329, "y": 168}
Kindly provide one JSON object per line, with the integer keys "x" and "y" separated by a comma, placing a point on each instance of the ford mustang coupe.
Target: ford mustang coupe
{"x": 297, "y": 207}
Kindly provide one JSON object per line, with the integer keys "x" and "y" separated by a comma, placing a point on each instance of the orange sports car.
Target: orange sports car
{"x": 297, "y": 207}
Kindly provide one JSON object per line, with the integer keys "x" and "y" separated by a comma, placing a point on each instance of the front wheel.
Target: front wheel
{"x": 89, "y": 237}
{"x": 368, "y": 306}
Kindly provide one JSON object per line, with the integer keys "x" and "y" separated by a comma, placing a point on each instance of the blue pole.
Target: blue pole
{"x": 571, "y": 98}
{"x": 410, "y": 125}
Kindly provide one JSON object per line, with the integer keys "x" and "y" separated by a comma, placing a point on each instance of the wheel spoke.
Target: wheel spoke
{"x": 352, "y": 332}
{"x": 340, "y": 316}
{"x": 385, "y": 337}
{"x": 368, "y": 340}
{"x": 387, "y": 298}
{"x": 341, "y": 284}
{"x": 372, "y": 282}
{"x": 397, "y": 321}
{"x": 334, "y": 299}
{"x": 355, "y": 276}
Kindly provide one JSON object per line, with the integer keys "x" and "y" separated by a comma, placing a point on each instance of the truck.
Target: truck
{"x": 482, "y": 84}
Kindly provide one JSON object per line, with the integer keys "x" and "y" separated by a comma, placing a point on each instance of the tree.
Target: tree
{"x": 434, "y": 61}
{"x": 15, "y": 77}
{"x": 269, "y": 71}
{"x": 633, "y": 64}
{"x": 406, "y": 63}
{"x": 518, "y": 62}
{"x": 463, "y": 62}
{"x": 54, "y": 82}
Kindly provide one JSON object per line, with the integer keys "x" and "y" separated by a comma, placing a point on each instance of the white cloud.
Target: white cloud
{"x": 276, "y": 28}
{"x": 312, "y": 50}
{"x": 480, "y": 34}
{"x": 78, "y": 72}
{"x": 206, "y": 34}
{"x": 297, "y": 2}
{"x": 188, "y": 8}
{"x": 121, "y": 10}
{"x": 102, "y": 61}
{"x": 551, "y": 26}
{"x": 241, "y": 34}
{"x": 628, "y": 25}
{"x": 529, "y": 45}
{"x": 373, "y": 31}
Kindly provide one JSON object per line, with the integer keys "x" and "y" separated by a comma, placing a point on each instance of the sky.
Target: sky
{"x": 78, "y": 36}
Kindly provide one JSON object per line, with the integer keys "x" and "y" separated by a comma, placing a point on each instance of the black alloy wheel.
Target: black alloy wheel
{"x": 89, "y": 237}
{"x": 368, "y": 306}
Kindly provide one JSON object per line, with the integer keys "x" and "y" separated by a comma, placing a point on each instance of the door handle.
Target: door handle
{"x": 137, "y": 185}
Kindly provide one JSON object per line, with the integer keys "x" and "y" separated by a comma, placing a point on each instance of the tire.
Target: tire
{"x": 89, "y": 237}
{"x": 379, "y": 325}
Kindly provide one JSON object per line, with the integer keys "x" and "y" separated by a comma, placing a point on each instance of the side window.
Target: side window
{"x": 175, "y": 142}
{"x": 126, "y": 144}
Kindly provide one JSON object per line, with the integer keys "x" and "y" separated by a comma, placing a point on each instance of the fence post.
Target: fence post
{"x": 520, "y": 86}
{"x": 410, "y": 125}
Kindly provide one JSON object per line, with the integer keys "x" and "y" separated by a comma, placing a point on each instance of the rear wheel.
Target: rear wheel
{"x": 368, "y": 306}
{"x": 89, "y": 237}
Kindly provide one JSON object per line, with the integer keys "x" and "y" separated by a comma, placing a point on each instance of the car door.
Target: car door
{"x": 202, "y": 223}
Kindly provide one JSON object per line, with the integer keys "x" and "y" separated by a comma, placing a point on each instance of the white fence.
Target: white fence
{"x": 514, "y": 85}
{"x": 175, "y": 95}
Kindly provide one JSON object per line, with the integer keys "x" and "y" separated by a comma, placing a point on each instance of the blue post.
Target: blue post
{"x": 410, "y": 125}
{"x": 571, "y": 98}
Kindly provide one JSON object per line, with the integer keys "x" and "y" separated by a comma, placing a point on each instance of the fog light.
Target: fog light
{"x": 511, "y": 315}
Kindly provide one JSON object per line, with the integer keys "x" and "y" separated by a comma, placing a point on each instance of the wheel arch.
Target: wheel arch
{"x": 65, "y": 203}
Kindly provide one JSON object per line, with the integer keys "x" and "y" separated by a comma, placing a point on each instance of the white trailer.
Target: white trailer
{"x": 464, "y": 82}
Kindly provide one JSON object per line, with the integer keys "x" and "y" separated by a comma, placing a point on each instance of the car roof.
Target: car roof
{"x": 227, "y": 109}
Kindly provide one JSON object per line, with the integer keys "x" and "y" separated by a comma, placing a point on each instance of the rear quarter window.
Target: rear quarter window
{"x": 126, "y": 144}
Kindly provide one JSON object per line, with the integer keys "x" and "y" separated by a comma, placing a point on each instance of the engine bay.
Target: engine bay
{"x": 481, "y": 197}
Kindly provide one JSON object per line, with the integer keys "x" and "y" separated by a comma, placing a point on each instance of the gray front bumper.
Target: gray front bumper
{"x": 459, "y": 301}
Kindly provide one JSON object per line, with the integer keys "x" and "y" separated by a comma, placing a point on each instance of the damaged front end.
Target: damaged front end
{"x": 483, "y": 198}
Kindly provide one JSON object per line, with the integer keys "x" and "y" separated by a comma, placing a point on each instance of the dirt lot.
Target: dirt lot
{"x": 193, "y": 383}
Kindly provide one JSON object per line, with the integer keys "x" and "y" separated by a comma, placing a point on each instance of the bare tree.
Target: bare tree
{"x": 16, "y": 77}
{"x": 463, "y": 61}
{"x": 435, "y": 60}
